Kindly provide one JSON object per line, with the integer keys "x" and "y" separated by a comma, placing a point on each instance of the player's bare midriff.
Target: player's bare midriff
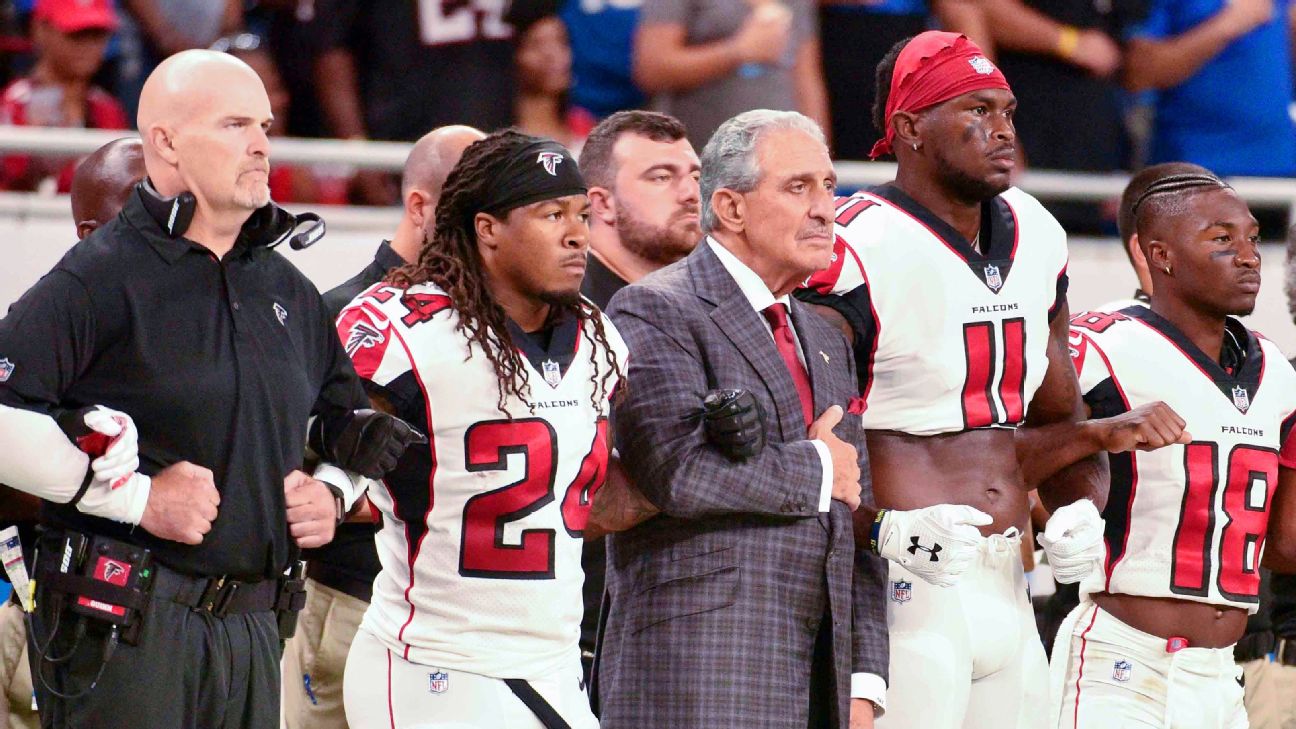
{"x": 1202, "y": 624}
{"x": 973, "y": 467}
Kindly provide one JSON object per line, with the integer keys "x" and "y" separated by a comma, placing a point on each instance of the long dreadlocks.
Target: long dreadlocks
{"x": 450, "y": 260}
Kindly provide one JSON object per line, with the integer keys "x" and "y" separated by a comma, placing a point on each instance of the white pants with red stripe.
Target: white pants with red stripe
{"x": 384, "y": 691}
{"x": 1107, "y": 674}
{"x": 967, "y": 656}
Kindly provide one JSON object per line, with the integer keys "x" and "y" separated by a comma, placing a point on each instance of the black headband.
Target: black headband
{"x": 542, "y": 170}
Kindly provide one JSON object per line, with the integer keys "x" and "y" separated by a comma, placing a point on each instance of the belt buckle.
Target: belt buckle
{"x": 1176, "y": 643}
{"x": 217, "y": 596}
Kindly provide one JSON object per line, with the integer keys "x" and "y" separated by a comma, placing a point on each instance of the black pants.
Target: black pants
{"x": 823, "y": 681}
{"x": 190, "y": 671}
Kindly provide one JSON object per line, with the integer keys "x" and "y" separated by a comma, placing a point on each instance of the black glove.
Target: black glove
{"x": 734, "y": 423}
{"x": 367, "y": 442}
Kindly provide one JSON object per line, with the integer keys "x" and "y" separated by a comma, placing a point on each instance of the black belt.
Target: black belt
{"x": 219, "y": 596}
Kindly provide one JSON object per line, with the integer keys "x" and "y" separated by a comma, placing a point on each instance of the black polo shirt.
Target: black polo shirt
{"x": 220, "y": 363}
{"x": 350, "y": 563}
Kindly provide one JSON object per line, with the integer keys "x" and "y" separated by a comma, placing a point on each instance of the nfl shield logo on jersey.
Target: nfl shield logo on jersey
{"x": 552, "y": 373}
{"x": 1121, "y": 670}
{"x": 901, "y": 591}
{"x": 6, "y": 369}
{"x": 438, "y": 682}
{"x": 992, "y": 277}
{"x": 1241, "y": 400}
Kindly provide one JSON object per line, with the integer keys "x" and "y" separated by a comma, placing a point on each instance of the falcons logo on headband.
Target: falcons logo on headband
{"x": 362, "y": 335}
{"x": 550, "y": 161}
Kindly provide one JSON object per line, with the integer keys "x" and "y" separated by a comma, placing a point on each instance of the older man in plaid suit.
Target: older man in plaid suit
{"x": 746, "y": 602}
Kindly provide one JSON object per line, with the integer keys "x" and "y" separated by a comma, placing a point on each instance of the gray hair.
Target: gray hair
{"x": 729, "y": 158}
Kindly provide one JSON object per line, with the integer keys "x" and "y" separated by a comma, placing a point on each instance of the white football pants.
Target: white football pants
{"x": 383, "y": 690}
{"x": 1107, "y": 674}
{"x": 967, "y": 656}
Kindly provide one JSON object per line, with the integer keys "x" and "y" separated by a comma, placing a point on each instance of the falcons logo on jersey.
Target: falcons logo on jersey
{"x": 362, "y": 336}
{"x": 550, "y": 162}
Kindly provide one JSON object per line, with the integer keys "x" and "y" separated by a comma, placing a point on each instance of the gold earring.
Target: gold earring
{"x": 1167, "y": 270}
{"x": 916, "y": 146}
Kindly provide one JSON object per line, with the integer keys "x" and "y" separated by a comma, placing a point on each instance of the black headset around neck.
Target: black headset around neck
{"x": 269, "y": 222}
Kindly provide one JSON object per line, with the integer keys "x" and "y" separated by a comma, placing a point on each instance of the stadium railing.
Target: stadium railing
{"x": 1049, "y": 185}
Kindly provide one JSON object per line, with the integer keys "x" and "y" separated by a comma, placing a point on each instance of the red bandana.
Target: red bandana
{"x": 933, "y": 68}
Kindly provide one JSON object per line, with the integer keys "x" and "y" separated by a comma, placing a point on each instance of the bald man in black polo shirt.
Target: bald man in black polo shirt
{"x": 179, "y": 313}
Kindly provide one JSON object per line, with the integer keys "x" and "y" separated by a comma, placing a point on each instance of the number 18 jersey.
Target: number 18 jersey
{"x": 482, "y": 528}
{"x": 1187, "y": 521}
{"x": 948, "y": 336}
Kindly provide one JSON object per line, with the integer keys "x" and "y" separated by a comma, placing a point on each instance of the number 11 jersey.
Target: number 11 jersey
{"x": 1187, "y": 521}
{"x": 482, "y": 528}
{"x": 948, "y": 336}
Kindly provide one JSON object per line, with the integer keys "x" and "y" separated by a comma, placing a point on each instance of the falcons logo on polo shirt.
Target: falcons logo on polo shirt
{"x": 550, "y": 161}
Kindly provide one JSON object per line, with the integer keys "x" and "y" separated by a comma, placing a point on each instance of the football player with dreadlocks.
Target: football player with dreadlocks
{"x": 1151, "y": 643}
{"x": 487, "y": 344}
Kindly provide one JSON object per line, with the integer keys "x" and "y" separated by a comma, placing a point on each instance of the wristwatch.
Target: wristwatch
{"x": 339, "y": 500}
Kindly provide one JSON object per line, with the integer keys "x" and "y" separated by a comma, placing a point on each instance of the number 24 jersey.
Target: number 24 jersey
{"x": 482, "y": 528}
{"x": 1187, "y": 521}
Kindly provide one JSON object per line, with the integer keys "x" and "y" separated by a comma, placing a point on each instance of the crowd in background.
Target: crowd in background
{"x": 1103, "y": 85}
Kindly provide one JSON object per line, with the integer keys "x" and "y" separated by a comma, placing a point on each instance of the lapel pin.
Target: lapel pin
{"x": 825, "y": 356}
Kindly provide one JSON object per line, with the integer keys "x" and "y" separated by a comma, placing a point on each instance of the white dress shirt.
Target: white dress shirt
{"x": 863, "y": 685}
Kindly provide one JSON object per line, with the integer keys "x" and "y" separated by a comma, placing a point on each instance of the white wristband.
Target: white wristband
{"x": 125, "y": 503}
{"x": 352, "y": 485}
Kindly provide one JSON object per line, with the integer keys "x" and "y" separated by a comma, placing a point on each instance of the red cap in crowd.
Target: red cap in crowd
{"x": 70, "y": 16}
{"x": 933, "y": 68}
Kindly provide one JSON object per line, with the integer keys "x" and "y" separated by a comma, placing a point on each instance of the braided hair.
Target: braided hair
{"x": 1158, "y": 198}
{"x": 450, "y": 260}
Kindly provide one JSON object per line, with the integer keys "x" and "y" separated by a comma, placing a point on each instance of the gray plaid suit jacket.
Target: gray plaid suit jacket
{"x": 713, "y": 605}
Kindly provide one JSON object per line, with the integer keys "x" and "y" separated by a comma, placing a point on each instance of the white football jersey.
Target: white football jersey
{"x": 1187, "y": 521}
{"x": 482, "y": 528}
{"x": 946, "y": 339}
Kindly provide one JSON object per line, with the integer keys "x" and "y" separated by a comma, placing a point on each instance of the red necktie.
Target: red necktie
{"x": 777, "y": 317}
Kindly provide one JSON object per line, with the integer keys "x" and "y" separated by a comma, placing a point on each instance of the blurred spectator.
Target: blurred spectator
{"x": 289, "y": 183}
{"x": 601, "y": 33}
{"x": 544, "y": 75}
{"x": 151, "y": 30}
{"x": 284, "y": 24}
{"x": 70, "y": 37}
{"x": 1223, "y": 69}
{"x": 1061, "y": 56}
{"x": 170, "y": 26}
{"x": 706, "y": 62}
{"x": 395, "y": 69}
{"x": 856, "y": 34}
